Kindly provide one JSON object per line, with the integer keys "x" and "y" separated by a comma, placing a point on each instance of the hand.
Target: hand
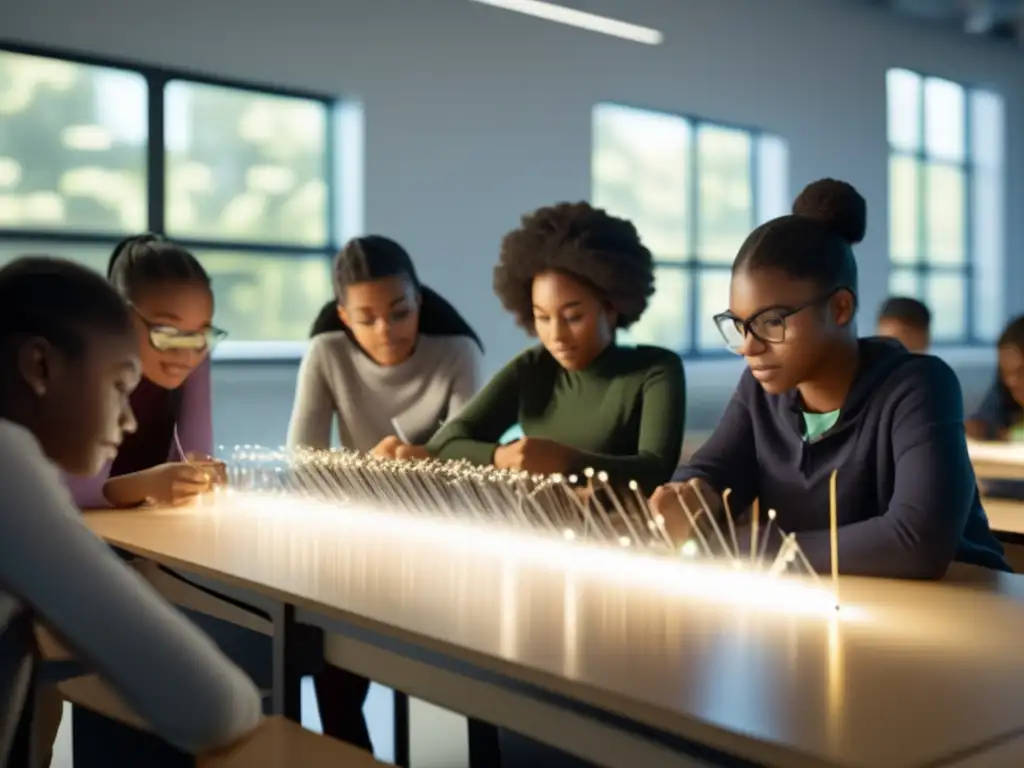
{"x": 175, "y": 484}
{"x": 407, "y": 452}
{"x": 535, "y": 455}
{"x": 667, "y": 501}
{"x": 387, "y": 448}
{"x": 215, "y": 468}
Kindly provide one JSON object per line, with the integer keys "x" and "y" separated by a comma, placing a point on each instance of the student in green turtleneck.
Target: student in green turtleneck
{"x": 572, "y": 275}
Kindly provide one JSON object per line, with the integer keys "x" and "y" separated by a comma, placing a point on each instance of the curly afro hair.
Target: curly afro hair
{"x": 583, "y": 242}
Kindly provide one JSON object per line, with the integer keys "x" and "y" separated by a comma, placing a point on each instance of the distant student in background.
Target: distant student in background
{"x": 908, "y": 321}
{"x": 572, "y": 275}
{"x": 389, "y": 360}
{"x": 71, "y": 362}
{"x": 1001, "y": 414}
{"x": 165, "y": 460}
{"x": 815, "y": 399}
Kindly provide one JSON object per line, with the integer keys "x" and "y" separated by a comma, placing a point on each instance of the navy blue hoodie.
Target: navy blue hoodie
{"x": 908, "y": 503}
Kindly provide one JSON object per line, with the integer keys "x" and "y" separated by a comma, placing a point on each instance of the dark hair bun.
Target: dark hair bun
{"x": 835, "y": 204}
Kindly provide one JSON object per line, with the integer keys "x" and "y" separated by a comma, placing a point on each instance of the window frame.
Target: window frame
{"x": 924, "y": 268}
{"x": 157, "y": 78}
{"x": 693, "y": 265}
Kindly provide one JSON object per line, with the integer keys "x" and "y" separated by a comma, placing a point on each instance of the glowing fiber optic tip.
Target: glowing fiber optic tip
{"x": 623, "y": 541}
{"x": 588, "y": 472}
{"x": 689, "y": 549}
{"x": 602, "y": 476}
{"x": 569, "y": 535}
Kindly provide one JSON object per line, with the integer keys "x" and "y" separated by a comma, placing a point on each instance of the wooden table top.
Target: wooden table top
{"x": 997, "y": 461}
{"x": 903, "y": 675}
{"x": 1004, "y": 515}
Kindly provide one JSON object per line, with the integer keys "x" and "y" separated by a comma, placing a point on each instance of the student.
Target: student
{"x": 572, "y": 275}
{"x": 815, "y": 399}
{"x": 390, "y": 360}
{"x": 1001, "y": 415}
{"x": 166, "y": 460}
{"x": 908, "y": 321}
{"x": 71, "y": 362}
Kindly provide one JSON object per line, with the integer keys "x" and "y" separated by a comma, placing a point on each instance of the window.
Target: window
{"x": 90, "y": 153}
{"x": 694, "y": 190}
{"x": 945, "y": 202}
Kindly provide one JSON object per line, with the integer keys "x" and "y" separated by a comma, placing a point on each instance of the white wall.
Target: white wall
{"x": 475, "y": 115}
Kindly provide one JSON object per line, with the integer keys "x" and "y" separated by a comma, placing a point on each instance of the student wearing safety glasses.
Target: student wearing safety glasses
{"x": 165, "y": 461}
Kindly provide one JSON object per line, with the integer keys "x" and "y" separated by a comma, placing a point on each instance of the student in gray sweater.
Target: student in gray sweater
{"x": 71, "y": 360}
{"x": 390, "y": 360}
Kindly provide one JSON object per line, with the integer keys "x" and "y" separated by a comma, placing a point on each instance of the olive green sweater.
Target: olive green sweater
{"x": 624, "y": 414}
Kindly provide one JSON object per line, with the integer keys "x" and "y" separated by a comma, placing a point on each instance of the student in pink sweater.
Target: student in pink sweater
{"x": 167, "y": 460}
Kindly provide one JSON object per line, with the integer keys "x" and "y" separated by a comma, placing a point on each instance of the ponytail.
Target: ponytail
{"x": 327, "y": 320}
{"x": 439, "y": 318}
{"x": 142, "y": 262}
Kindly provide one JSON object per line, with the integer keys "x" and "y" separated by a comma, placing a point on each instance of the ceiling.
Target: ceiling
{"x": 996, "y": 19}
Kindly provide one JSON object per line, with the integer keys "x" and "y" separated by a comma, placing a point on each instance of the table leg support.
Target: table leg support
{"x": 287, "y": 693}
{"x": 484, "y": 745}
{"x": 401, "y": 729}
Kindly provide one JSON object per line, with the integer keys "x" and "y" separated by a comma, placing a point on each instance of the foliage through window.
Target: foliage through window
{"x": 945, "y": 202}
{"x": 240, "y": 176}
{"x": 694, "y": 190}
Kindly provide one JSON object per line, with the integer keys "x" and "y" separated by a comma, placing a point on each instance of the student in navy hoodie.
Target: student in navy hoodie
{"x": 815, "y": 398}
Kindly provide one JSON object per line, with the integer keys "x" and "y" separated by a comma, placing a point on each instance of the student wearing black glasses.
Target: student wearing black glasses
{"x": 817, "y": 398}
{"x": 166, "y": 461}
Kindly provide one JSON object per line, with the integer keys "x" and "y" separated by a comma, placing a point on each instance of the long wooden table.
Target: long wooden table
{"x": 997, "y": 461}
{"x": 622, "y": 666}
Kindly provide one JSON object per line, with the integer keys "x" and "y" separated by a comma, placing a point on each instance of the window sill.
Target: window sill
{"x": 259, "y": 351}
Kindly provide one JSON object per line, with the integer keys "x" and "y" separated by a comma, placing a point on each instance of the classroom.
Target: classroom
{"x": 557, "y": 195}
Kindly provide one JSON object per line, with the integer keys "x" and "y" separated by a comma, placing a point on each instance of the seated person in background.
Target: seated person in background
{"x": 390, "y": 359}
{"x": 388, "y": 355}
{"x": 1001, "y": 415}
{"x": 572, "y": 275}
{"x": 908, "y": 321}
{"x": 167, "y": 459}
{"x": 72, "y": 361}
{"x": 815, "y": 398}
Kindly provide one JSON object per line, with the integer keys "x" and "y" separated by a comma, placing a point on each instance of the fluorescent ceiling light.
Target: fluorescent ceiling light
{"x": 581, "y": 19}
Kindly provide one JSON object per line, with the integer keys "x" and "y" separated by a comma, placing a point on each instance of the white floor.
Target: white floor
{"x": 437, "y": 738}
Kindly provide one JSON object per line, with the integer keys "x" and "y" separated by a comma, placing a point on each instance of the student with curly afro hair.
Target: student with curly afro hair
{"x": 816, "y": 400}
{"x": 572, "y": 275}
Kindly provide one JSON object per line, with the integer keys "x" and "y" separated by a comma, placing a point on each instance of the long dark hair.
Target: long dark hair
{"x": 140, "y": 262}
{"x": 1012, "y": 336}
{"x": 374, "y": 257}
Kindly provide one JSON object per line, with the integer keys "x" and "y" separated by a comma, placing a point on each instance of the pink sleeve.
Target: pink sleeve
{"x": 87, "y": 492}
{"x": 195, "y": 419}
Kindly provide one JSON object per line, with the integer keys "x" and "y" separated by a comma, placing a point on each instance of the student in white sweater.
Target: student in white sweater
{"x": 389, "y": 361}
{"x": 70, "y": 363}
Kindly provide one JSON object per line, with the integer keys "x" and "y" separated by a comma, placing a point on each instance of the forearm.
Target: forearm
{"x": 127, "y": 490}
{"x": 877, "y": 548}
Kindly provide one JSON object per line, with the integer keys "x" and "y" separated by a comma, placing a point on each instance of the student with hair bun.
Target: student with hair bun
{"x": 166, "y": 461}
{"x": 390, "y": 360}
{"x": 815, "y": 398}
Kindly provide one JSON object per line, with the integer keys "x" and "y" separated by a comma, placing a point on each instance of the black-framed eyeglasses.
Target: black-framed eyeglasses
{"x": 165, "y": 337}
{"x": 767, "y": 326}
